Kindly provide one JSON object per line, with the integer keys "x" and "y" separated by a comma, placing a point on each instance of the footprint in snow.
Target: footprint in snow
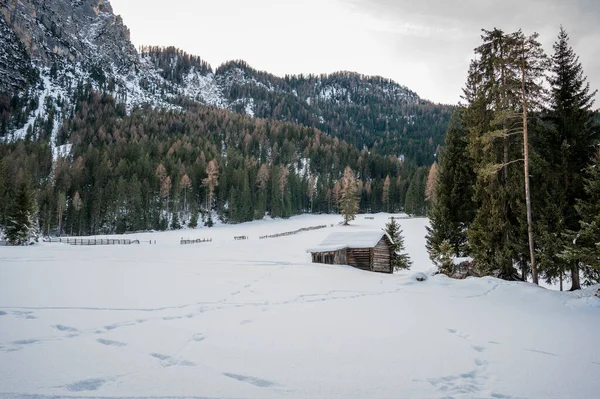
{"x": 63, "y": 328}
{"x": 198, "y": 337}
{"x": 478, "y": 348}
{"x": 258, "y": 382}
{"x": 22, "y": 314}
{"x": 481, "y": 363}
{"x": 168, "y": 361}
{"x": 92, "y": 384}
{"x": 468, "y": 383}
{"x": 3, "y": 313}
{"x": 25, "y": 341}
{"x": 458, "y": 333}
{"x": 243, "y": 322}
{"x": 496, "y": 395}
{"x": 108, "y": 342}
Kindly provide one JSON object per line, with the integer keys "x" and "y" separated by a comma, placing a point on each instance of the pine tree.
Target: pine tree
{"x": 503, "y": 83}
{"x": 262, "y": 180}
{"x": 349, "y": 196}
{"x": 386, "y": 194}
{"x": 211, "y": 181}
{"x": 194, "y": 218}
{"x": 77, "y": 205}
{"x": 20, "y": 227}
{"x": 584, "y": 250}
{"x": 400, "y": 260}
{"x": 566, "y": 149}
{"x": 61, "y": 203}
{"x": 533, "y": 66}
{"x": 452, "y": 209}
{"x": 175, "y": 225}
{"x": 442, "y": 257}
{"x": 414, "y": 203}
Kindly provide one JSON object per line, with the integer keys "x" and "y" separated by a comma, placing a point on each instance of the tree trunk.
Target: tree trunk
{"x": 534, "y": 274}
{"x": 575, "y": 284}
{"x": 561, "y": 281}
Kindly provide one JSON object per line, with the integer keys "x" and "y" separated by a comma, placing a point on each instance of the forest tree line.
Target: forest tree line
{"x": 164, "y": 169}
{"x": 525, "y": 116}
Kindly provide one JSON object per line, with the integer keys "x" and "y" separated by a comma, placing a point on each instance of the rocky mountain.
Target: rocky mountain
{"x": 49, "y": 48}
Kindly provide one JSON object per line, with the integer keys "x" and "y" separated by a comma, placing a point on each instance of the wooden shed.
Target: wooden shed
{"x": 366, "y": 250}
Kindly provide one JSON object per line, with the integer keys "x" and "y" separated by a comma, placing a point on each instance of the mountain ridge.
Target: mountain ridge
{"x": 74, "y": 41}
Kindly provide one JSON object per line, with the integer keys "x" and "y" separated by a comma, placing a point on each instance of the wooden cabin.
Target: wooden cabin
{"x": 366, "y": 250}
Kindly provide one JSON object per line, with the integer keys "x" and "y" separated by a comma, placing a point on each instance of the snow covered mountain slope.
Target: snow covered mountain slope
{"x": 255, "y": 319}
{"x": 48, "y": 49}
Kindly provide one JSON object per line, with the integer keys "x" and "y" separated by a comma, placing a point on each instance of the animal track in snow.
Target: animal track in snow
{"x": 22, "y": 314}
{"x": 115, "y": 326}
{"x": 108, "y": 342}
{"x": 92, "y": 384}
{"x": 26, "y": 341}
{"x": 469, "y": 383}
{"x": 258, "y": 382}
{"x": 478, "y": 348}
{"x": 168, "y": 361}
{"x": 480, "y": 362}
{"x": 198, "y": 337}
{"x": 541, "y": 352}
{"x": 63, "y": 328}
{"x": 458, "y": 333}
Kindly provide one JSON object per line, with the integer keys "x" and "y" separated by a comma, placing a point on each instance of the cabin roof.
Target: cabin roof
{"x": 358, "y": 239}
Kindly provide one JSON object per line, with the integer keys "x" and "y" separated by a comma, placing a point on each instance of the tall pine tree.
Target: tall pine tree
{"x": 452, "y": 208}
{"x": 502, "y": 83}
{"x": 584, "y": 250}
{"x": 567, "y": 149}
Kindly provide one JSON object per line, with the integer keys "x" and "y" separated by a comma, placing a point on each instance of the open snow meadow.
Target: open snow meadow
{"x": 255, "y": 319}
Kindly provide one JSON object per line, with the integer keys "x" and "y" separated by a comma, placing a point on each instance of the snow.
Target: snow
{"x": 249, "y": 108}
{"x": 61, "y": 151}
{"x": 255, "y": 319}
{"x": 459, "y": 260}
{"x": 355, "y": 239}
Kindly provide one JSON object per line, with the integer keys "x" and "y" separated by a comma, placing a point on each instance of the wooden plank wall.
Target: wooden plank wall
{"x": 359, "y": 257}
{"x": 382, "y": 257}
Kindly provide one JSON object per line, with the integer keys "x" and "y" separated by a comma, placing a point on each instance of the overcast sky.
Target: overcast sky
{"x": 425, "y": 45}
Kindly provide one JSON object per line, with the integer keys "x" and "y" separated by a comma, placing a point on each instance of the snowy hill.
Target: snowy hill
{"x": 255, "y": 319}
{"x": 52, "y": 48}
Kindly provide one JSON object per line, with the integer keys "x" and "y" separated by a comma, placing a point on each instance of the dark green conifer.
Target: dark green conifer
{"x": 400, "y": 259}
{"x": 566, "y": 149}
{"x": 452, "y": 208}
{"x": 20, "y": 226}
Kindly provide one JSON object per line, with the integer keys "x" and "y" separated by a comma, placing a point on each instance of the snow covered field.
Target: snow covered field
{"x": 255, "y": 319}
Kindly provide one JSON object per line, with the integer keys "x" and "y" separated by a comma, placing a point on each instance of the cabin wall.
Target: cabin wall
{"x": 330, "y": 258}
{"x": 377, "y": 259}
{"x": 359, "y": 257}
{"x": 382, "y": 257}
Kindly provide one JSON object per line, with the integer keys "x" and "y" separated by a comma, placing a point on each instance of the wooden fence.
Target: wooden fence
{"x": 94, "y": 241}
{"x": 195, "y": 241}
{"x": 290, "y": 233}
